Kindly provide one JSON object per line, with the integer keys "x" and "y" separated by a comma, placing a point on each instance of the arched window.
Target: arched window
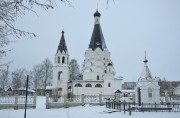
{"x": 78, "y": 85}
{"x": 60, "y": 75}
{"x": 98, "y": 86}
{"x": 149, "y": 93}
{"x": 63, "y": 59}
{"x": 88, "y": 85}
{"x": 58, "y": 59}
{"x": 97, "y": 77}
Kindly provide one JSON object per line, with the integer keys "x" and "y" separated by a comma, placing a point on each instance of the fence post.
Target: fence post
{"x": 16, "y": 102}
{"x": 155, "y": 106}
{"x": 100, "y": 99}
{"x": 82, "y": 99}
{"x": 124, "y": 107}
{"x": 129, "y": 109}
{"x": 106, "y": 103}
{"x": 47, "y": 101}
{"x": 34, "y": 102}
{"x": 120, "y": 106}
{"x": 65, "y": 101}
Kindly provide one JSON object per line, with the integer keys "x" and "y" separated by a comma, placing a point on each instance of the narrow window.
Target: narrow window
{"x": 98, "y": 77}
{"x": 109, "y": 84}
{"x": 59, "y": 75}
{"x": 63, "y": 59}
{"x": 149, "y": 93}
{"x": 58, "y": 59}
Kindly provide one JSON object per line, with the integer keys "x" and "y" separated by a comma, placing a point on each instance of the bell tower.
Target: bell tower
{"x": 61, "y": 67}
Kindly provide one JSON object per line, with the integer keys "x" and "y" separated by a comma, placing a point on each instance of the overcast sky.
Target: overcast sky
{"x": 129, "y": 26}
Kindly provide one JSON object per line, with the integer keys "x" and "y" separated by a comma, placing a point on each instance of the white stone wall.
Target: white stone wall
{"x": 87, "y": 90}
{"x": 98, "y": 63}
{"x": 62, "y": 67}
{"x": 177, "y": 90}
{"x": 144, "y": 86}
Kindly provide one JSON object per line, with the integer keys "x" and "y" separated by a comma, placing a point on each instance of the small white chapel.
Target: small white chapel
{"x": 147, "y": 88}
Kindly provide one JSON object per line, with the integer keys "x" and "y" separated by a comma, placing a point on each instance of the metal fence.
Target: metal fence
{"x": 143, "y": 107}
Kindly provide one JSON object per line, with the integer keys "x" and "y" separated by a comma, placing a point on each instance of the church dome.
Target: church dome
{"x": 97, "y": 14}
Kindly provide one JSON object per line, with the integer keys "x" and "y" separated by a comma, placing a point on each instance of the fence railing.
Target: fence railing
{"x": 143, "y": 107}
{"x": 17, "y": 102}
{"x": 63, "y": 101}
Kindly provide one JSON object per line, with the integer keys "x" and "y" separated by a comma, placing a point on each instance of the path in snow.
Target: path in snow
{"x": 87, "y": 111}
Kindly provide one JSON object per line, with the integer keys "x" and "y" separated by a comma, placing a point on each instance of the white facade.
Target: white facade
{"x": 147, "y": 88}
{"x": 177, "y": 90}
{"x": 98, "y": 75}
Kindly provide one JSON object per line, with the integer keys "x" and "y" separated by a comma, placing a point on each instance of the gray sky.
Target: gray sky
{"x": 129, "y": 26}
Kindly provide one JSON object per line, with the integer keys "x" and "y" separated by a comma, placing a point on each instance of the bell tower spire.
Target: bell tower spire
{"x": 97, "y": 38}
{"x": 62, "y": 56}
{"x": 62, "y": 44}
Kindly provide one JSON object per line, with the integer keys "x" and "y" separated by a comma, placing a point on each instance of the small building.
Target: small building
{"x": 177, "y": 90}
{"x": 147, "y": 88}
{"x": 22, "y": 91}
{"x": 128, "y": 85}
{"x": 9, "y": 91}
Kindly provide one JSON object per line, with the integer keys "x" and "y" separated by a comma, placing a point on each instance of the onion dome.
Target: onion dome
{"x": 97, "y": 14}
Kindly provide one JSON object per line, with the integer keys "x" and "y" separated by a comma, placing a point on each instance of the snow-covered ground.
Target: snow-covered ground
{"x": 86, "y": 111}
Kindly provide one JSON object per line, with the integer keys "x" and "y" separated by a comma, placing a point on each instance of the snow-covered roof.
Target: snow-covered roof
{"x": 49, "y": 87}
{"x": 178, "y": 87}
{"x": 128, "y": 91}
{"x": 146, "y": 74}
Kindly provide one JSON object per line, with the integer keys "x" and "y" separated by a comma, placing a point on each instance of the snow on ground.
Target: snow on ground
{"x": 86, "y": 111}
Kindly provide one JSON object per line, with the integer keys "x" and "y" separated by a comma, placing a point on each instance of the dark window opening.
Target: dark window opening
{"x": 63, "y": 59}
{"x": 98, "y": 77}
{"x": 78, "y": 85}
{"x": 109, "y": 84}
{"x": 98, "y": 86}
{"x": 88, "y": 85}
{"x": 58, "y": 59}
{"x": 59, "y": 75}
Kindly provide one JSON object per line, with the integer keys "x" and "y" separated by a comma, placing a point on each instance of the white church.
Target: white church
{"x": 98, "y": 76}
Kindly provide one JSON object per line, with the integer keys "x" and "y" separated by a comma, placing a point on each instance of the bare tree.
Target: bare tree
{"x": 10, "y": 10}
{"x": 74, "y": 69}
{"x": 18, "y": 78}
{"x": 47, "y": 73}
{"x": 4, "y": 78}
{"x": 37, "y": 76}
